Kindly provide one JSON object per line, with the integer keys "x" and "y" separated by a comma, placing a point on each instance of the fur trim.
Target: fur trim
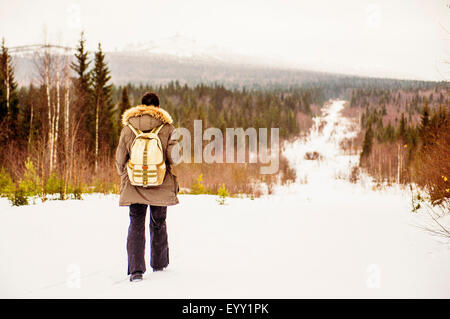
{"x": 156, "y": 112}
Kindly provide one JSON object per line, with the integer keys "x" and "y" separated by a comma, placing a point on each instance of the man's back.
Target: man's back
{"x": 145, "y": 118}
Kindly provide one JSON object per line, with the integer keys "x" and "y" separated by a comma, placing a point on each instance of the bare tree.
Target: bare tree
{"x": 6, "y": 72}
{"x": 44, "y": 63}
{"x": 56, "y": 114}
{"x": 49, "y": 106}
{"x": 66, "y": 122}
{"x": 66, "y": 102}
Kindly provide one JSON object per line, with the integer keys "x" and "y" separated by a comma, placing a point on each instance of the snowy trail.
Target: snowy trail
{"x": 327, "y": 132}
{"x": 326, "y": 238}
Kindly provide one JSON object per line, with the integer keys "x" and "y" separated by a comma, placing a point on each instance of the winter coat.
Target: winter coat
{"x": 145, "y": 118}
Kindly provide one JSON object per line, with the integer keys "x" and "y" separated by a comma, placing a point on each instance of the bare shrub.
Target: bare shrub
{"x": 340, "y": 175}
{"x": 288, "y": 174}
{"x": 321, "y": 126}
{"x": 352, "y": 146}
{"x": 354, "y": 174}
{"x": 437, "y": 212}
{"x": 303, "y": 179}
{"x": 313, "y": 156}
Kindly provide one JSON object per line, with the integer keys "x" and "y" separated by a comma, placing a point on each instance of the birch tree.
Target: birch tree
{"x": 56, "y": 115}
{"x": 46, "y": 75}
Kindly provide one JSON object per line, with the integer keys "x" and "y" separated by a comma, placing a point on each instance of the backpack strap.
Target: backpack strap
{"x": 135, "y": 130}
{"x": 157, "y": 129}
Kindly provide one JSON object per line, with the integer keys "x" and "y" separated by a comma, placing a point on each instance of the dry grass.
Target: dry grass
{"x": 238, "y": 178}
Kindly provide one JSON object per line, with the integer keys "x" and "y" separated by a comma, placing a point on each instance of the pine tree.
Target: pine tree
{"x": 103, "y": 107}
{"x": 9, "y": 100}
{"x": 3, "y": 104}
{"x": 83, "y": 92}
{"x": 389, "y": 133}
{"x": 367, "y": 143}
{"x": 424, "y": 122}
{"x": 353, "y": 100}
{"x": 123, "y": 105}
{"x": 402, "y": 129}
{"x": 29, "y": 116}
{"x": 81, "y": 66}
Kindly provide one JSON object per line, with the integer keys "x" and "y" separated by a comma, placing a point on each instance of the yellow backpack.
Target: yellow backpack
{"x": 146, "y": 165}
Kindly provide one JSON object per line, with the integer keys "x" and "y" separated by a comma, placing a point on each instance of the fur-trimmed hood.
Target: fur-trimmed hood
{"x": 140, "y": 110}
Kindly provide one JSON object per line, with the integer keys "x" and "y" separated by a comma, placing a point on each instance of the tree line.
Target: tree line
{"x": 59, "y": 134}
{"x": 406, "y": 137}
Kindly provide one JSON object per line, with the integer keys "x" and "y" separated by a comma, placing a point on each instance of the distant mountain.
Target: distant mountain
{"x": 177, "y": 46}
{"x": 179, "y": 58}
{"x": 189, "y": 61}
{"x": 143, "y": 66}
{"x": 156, "y": 68}
{"x": 182, "y": 47}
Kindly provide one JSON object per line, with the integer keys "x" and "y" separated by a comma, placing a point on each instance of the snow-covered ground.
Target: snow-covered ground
{"x": 324, "y": 238}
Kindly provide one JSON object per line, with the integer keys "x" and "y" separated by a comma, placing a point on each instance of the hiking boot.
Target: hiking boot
{"x": 157, "y": 269}
{"x": 136, "y": 276}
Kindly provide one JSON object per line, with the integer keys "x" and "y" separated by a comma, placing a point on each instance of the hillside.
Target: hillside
{"x": 323, "y": 238}
{"x": 141, "y": 65}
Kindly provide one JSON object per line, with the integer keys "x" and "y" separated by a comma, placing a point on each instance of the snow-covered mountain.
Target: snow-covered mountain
{"x": 192, "y": 61}
{"x": 186, "y": 48}
{"x": 178, "y": 46}
{"x": 187, "y": 60}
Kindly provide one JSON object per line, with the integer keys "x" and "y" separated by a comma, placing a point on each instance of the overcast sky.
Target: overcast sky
{"x": 396, "y": 38}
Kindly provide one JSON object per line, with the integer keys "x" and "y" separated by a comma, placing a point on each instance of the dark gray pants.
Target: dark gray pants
{"x": 159, "y": 246}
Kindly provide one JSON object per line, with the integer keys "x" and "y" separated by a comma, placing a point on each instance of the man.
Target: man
{"x": 146, "y": 117}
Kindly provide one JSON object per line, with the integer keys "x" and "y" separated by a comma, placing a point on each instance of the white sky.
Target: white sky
{"x": 401, "y": 39}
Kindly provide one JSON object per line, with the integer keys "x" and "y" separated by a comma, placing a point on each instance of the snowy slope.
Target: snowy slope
{"x": 179, "y": 46}
{"x": 188, "y": 49}
{"x": 326, "y": 238}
